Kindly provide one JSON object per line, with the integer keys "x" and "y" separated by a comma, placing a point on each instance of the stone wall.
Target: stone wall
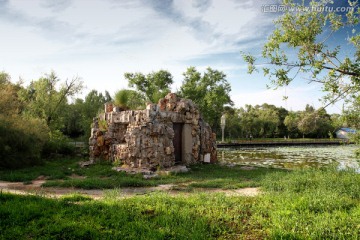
{"x": 145, "y": 138}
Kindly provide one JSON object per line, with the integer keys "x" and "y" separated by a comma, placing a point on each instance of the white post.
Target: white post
{"x": 222, "y": 130}
{"x": 222, "y": 124}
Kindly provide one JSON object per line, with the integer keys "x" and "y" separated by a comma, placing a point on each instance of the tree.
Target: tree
{"x": 260, "y": 121}
{"x": 291, "y": 122}
{"x": 21, "y": 137}
{"x": 9, "y": 102}
{"x": 268, "y": 119}
{"x": 210, "y": 91}
{"x": 79, "y": 115}
{"x": 249, "y": 121}
{"x": 300, "y": 44}
{"x": 46, "y": 101}
{"x": 352, "y": 114}
{"x": 154, "y": 85}
{"x": 307, "y": 123}
{"x": 233, "y": 127}
{"x": 314, "y": 123}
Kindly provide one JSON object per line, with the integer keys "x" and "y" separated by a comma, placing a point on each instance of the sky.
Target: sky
{"x": 100, "y": 40}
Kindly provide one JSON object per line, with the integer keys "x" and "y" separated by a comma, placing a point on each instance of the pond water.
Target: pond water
{"x": 292, "y": 156}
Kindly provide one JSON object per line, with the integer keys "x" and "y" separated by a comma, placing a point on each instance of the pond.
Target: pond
{"x": 291, "y": 156}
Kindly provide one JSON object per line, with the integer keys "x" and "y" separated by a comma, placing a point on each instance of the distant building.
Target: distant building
{"x": 344, "y": 133}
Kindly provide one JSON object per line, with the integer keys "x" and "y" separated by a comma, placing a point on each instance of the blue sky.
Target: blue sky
{"x": 100, "y": 40}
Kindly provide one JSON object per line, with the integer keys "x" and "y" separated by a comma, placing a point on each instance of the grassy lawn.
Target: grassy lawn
{"x": 301, "y": 204}
{"x": 100, "y": 176}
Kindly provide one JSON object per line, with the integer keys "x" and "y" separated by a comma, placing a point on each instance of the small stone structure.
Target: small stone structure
{"x": 164, "y": 134}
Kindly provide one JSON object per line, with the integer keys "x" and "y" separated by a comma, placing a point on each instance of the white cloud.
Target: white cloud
{"x": 101, "y": 40}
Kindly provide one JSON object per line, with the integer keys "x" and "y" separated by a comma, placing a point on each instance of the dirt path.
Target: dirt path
{"x": 36, "y": 189}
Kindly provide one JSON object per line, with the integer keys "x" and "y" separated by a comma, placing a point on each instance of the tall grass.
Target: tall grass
{"x": 311, "y": 204}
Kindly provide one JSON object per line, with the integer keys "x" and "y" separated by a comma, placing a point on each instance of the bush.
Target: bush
{"x": 129, "y": 99}
{"x": 21, "y": 141}
{"x": 58, "y": 144}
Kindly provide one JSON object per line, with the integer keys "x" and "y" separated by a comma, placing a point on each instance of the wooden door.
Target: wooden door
{"x": 178, "y": 142}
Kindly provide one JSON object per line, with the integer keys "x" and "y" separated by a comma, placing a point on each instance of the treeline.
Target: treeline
{"x": 269, "y": 121}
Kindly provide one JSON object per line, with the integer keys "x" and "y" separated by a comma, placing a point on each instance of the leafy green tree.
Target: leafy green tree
{"x": 269, "y": 120}
{"x": 291, "y": 122}
{"x": 352, "y": 114}
{"x": 210, "y": 91}
{"x": 307, "y": 123}
{"x": 21, "y": 137}
{"x": 337, "y": 121}
{"x": 233, "y": 129}
{"x": 153, "y": 86}
{"x": 74, "y": 118}
{"x": 314, "y": 123}
{"x": 47, "y": 101}
{"x": 9, "y": 101}
{"x": 300, "y": 44}
{"x": 260, "y": 121}
{"x": 323, "y": 123}
{"x": 79, "y": 115}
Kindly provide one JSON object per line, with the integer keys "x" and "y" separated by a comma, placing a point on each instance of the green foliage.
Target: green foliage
{"x": 79, "y": 115}
{"x": 45, "y": 100}
{"x": 21, "y": 137}
{"x": 153, "y": 86}
{"x": 352, "y": 114}
{"x": 269, "y": 121}
{"x": 9, "y": 102}
{"x": 299, "y": 45}
{"x": 58, "y": 144}
{"x": 210, "y": 92}
{"x": 21, "y": 141}
{"x": 262, "y": 121}
{"x": 291, "y": 122}
{"x": 129, "y": 99}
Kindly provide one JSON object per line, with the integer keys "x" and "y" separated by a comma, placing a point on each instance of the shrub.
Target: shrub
{"x": 21, "y": 141}
{"x": 58, "y": 144}
{"x": 129, "y": 99}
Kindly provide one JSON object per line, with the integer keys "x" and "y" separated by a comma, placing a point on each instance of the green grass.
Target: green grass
{"x": 311, "y": 204}
{"x": 301, "y": 204}
{"x": 55, "y": 169}
{"x": 101, "y": 176}
{"x": 155, "y": 216}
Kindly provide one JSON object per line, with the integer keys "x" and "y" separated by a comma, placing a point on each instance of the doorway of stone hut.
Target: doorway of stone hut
{"x": 178, "y": 127}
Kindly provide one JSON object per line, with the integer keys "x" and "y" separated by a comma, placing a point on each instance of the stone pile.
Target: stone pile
{"x": 144, "y": 139}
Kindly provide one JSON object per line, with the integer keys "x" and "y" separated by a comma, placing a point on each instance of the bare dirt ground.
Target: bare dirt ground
{"x": 35, "y": 188}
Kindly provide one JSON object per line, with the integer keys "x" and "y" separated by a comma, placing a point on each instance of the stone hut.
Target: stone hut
{"x": 161, "y": 136}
